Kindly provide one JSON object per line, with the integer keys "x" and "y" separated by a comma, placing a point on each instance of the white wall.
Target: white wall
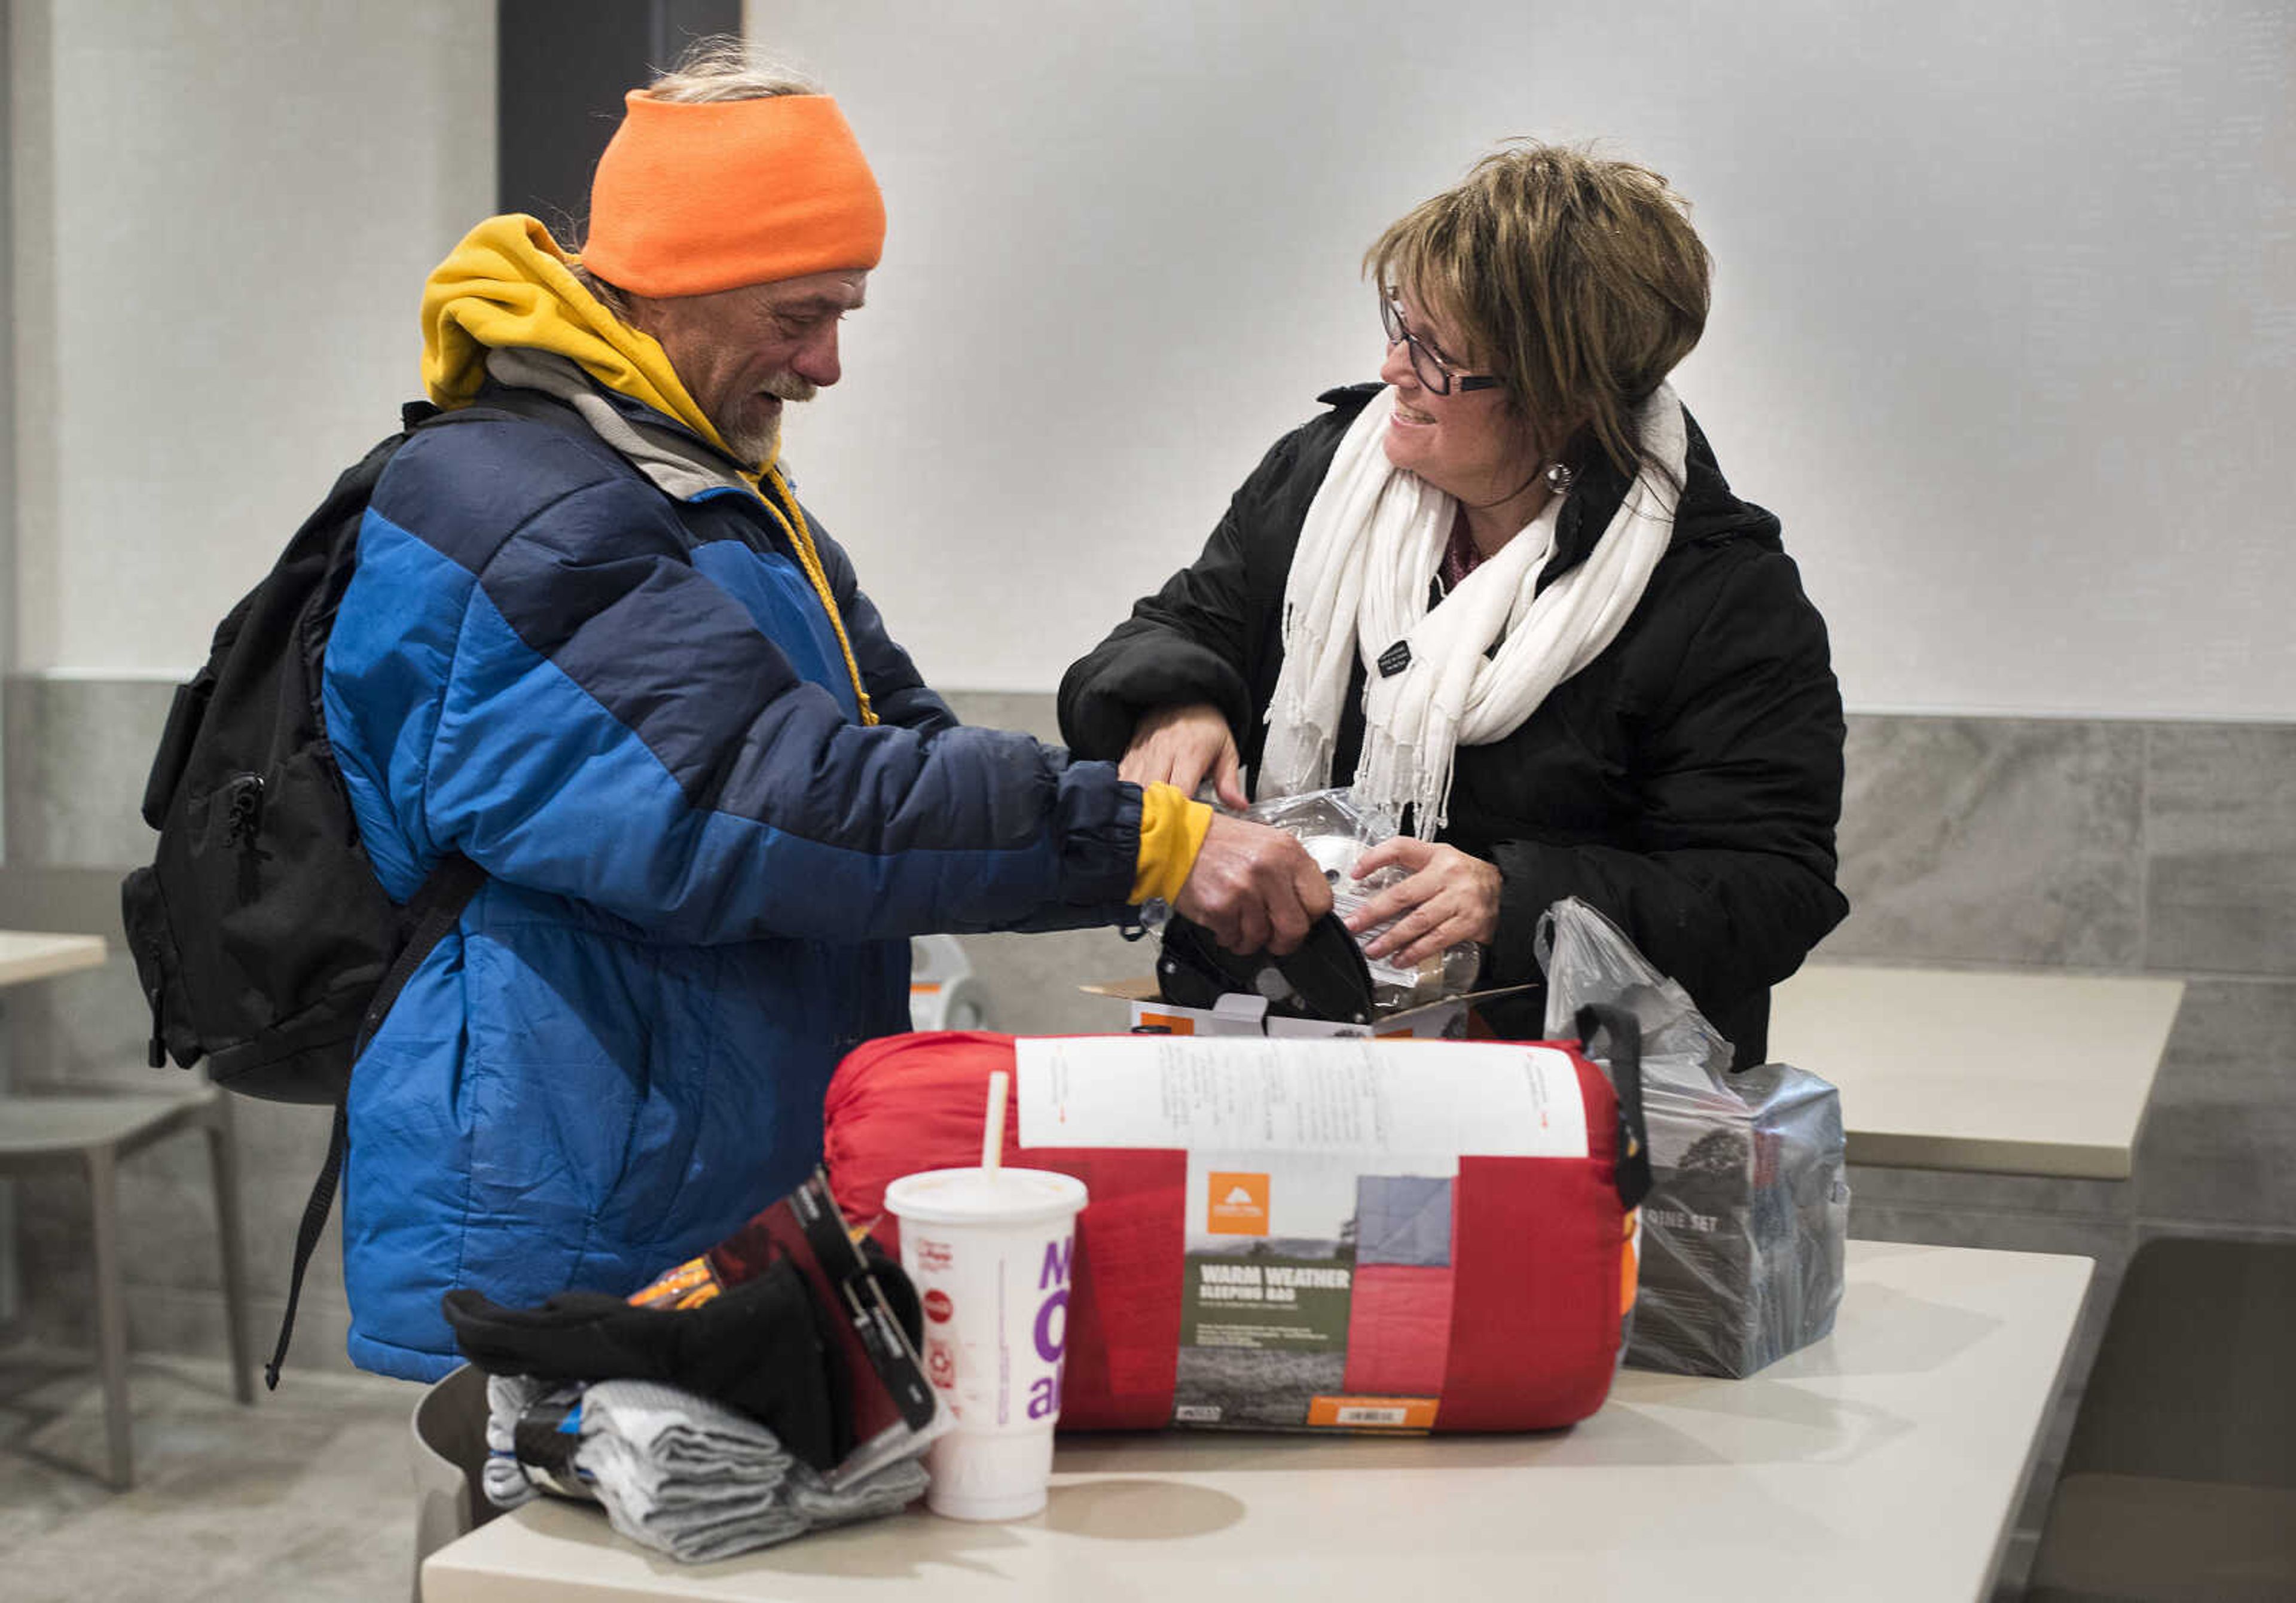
{"x": 2005, "y": 328}
{"x": 224, "y": 215}
{"x": 2005, "y": 323}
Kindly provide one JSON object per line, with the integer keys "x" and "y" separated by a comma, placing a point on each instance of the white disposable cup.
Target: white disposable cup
{"x": 991, "y": 1254}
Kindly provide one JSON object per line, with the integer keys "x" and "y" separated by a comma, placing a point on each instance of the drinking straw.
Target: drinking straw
{"x": 992, "y": 1135}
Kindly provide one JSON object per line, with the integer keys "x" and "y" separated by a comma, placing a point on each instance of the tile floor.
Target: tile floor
{"x": 305, "y": 1497}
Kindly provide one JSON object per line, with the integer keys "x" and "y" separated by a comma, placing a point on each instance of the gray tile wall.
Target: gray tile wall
{"x": 2166, "y": 848}
{"x": 2220, "y": 849}
{"x": 1993, "y": 841}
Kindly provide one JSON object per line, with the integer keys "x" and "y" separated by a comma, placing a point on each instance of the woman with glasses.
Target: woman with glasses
{"x": 1507, "y": 594}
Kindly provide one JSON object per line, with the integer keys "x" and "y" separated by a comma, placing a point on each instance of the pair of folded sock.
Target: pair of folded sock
{"x": 672, "y": 1471}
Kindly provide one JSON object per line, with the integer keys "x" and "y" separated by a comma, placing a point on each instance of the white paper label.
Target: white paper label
{"x": 1245, "y": 1094}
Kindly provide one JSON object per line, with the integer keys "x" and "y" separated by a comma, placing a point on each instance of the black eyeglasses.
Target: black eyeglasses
{"x": 1435, "y": 373}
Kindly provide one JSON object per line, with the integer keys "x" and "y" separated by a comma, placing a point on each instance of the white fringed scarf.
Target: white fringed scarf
{"x": 1358, "y": 586}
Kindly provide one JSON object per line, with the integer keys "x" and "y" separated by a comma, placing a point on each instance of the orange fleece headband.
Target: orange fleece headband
{"x": 692, "y": 197}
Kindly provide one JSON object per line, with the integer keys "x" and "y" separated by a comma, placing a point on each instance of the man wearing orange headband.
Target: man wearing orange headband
{"x": 594, "y": 645}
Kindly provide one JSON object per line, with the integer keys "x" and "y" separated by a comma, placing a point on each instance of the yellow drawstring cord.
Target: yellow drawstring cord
{"x": 800, "y": 539}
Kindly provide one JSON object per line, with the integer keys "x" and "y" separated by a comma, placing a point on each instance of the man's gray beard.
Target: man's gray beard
{"x": 755, "y": 446}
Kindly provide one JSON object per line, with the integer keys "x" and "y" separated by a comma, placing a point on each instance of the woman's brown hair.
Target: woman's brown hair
{"x": 1577, "y": 280}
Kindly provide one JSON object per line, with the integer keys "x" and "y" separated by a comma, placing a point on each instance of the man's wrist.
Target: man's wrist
{"x": 1172, "y": 830}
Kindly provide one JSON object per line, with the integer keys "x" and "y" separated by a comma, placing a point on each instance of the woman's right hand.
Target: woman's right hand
{"x": 1183, "y": 745}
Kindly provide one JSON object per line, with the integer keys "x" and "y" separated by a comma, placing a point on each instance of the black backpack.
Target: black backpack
{"x": 263, "y": 940}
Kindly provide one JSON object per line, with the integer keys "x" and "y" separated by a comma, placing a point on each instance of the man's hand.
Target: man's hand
{"x": 1450, "y": 898}
{"x": 1255, "y": 888}
{"x": 1180, "y": 746}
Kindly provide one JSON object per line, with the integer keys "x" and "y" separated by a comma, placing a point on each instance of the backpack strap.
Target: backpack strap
{"x": 434, "y": 909}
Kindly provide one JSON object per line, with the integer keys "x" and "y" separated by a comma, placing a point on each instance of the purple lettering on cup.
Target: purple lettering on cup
{"x": 1055, "y": 1271}
{"x": 1051, "y": 1344}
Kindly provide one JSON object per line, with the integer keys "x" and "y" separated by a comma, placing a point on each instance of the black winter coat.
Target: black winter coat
{"x": 1686, "y": 782}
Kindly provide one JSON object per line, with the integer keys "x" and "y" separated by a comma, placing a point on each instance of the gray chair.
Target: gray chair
{"x": 95, "y": 1132}
{"x": 2179, "y": 1483}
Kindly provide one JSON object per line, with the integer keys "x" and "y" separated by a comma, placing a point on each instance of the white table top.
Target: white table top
{"x": 1941, "y": 1068}
{"x": 1883, "y": 1463}
{"x": 25, "y": 955}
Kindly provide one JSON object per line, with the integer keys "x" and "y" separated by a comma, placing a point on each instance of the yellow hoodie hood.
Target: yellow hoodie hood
{"x": 508, "y": 283}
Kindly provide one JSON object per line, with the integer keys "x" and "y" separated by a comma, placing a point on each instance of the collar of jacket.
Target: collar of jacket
{"x": 680, "y": 463}
{"x": 1707, "y": 511}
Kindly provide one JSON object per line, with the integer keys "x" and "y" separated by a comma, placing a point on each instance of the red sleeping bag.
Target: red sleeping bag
{"x": 1489, "y": 1299}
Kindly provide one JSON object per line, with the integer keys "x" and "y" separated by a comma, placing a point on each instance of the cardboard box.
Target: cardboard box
{"x": 1242, "y": 1013}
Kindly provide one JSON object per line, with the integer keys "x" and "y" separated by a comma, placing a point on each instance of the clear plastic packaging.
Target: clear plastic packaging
{"x": 1743, "y": 1234}
{"x": 1337, "y": 830}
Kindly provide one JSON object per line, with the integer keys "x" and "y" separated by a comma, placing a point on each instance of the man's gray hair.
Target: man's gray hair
{"x": 726, "y": 68}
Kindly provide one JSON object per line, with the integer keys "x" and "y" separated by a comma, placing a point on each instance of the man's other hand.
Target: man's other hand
{"x": 1183, "y": 745}
{"x": 1255, "y": 888}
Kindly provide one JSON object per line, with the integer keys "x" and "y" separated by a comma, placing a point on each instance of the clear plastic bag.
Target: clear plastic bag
{"x": 1743, "y": 1234}
{"x": 1337, "y": 830}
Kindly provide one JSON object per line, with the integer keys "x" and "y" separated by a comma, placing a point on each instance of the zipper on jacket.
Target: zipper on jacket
{"x": 244, "y": 820}
{"x": 156, "y": 1054}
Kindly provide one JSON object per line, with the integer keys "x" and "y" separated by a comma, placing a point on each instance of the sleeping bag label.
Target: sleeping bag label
{"x": 1316, "y": 1287}
{"x": 1250, "y": 1093}
{"x": 1291, "y": 1315}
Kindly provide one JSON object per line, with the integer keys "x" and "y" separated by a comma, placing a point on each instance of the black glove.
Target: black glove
{"x": 1325, "y": 977}
{"x": 757, "y": 1347}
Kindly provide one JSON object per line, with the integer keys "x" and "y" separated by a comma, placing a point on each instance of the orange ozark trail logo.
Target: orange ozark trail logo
{"x": 1236, "y": 1204}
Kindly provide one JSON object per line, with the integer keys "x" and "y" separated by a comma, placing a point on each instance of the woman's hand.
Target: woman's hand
{"x": 1181, "y": 746}
{"x": 1450, "y": 898}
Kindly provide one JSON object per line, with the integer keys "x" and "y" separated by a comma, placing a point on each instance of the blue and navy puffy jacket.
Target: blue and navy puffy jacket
{"x": 629, "y": 706}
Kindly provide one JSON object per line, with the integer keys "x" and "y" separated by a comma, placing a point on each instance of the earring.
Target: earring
{"x": 1560, "y": 477}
